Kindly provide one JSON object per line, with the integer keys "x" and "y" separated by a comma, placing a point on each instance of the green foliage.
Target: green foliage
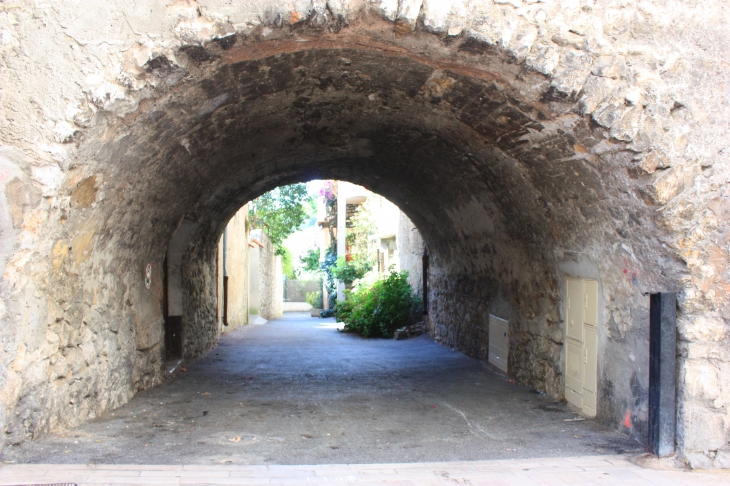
{"x": 348, "y": 272}
{"x": 315, "y": 299}
{"x": 287, "y": 264}
{"x": 310, "y": 261}
{"x": 330, "y": 260}
{"x": 378, "y": 309}
{"x": 281, "y": 212}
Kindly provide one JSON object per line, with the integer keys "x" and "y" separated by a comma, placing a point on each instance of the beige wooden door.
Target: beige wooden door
{"x": 590, "y": 348}
{"x": 581, "y": 345}
{"x": 574, "y": 344}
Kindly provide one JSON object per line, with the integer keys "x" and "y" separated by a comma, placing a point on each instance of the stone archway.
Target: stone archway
{"x": 527, "y": 143}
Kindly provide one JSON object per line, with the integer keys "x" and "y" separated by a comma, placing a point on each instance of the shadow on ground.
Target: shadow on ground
{"x": 298, "y": 391}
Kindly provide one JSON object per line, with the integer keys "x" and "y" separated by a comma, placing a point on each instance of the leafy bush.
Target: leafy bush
{"x": 315, "y": 299}
{"x": 348, "y": 272}
{"x": 378, "y": 309}
{"x": 310, "y": 261}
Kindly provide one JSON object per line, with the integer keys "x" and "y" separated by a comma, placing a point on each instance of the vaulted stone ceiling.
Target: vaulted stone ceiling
{"x": 522, "y": 140}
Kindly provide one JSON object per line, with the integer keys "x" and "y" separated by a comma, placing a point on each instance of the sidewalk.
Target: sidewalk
{"x": 583, "y": 471}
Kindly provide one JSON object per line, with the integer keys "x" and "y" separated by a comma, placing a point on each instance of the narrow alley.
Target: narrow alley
{"x": 297, "y": 391}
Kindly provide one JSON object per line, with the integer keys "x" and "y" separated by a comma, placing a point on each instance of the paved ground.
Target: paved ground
{"x": 297, "y": 391}
{"x": 576, "y": 471}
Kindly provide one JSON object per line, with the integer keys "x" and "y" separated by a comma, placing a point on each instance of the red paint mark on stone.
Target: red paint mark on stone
{"x": 626, "y": 271}
{"x": 627, "y": 419}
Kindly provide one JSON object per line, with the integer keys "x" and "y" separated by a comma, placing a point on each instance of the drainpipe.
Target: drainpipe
{"x": 225, "y": 276}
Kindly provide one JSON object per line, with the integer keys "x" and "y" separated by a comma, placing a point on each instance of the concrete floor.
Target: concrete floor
{"x": 297, "y": 391}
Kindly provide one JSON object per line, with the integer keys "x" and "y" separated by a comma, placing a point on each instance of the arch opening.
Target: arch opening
{"x": 502, "y": 180}
{"x": 516, "y": 181}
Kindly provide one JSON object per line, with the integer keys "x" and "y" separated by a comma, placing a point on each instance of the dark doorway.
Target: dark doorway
{"x": 173, "y": 324}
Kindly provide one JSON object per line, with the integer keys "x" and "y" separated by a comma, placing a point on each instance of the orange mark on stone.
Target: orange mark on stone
{"x": 294, "y": 17}
{"x": 627, "y": 419}
{"x": 580, "y": 148}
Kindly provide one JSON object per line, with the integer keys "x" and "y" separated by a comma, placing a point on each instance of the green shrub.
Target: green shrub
{"x": 378, "y": 309}
{"x": 315, "y": 299}
{"x": 348, "y": 272}
{"x": 310, "y": 261}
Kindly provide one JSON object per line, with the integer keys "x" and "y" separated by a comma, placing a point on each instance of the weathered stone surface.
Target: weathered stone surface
{"x": 271, "y": 302}
{"x": 237, "y": 265}
{"x": 466, "y": 119}
{"x": 722, "y": 459}
{"x": 410, "y": 252}
{"x": 573, "y": 72}
{"x": 704, "y": 430}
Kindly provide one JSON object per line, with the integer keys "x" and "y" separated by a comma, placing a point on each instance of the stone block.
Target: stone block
{"x": 667, "y": 185}
{"x": 409, "y": 10}
{"x": 698, "y": 460}
{"x": 444, "y": 15}
{"x": 89, "y": 352}
{"x": 595, "y": 91}
{"x": 700, "y": 380}
{"x": 610, "y": 67}
{"x": 629, "y": 125}
{"x": 722, "y": 459}
{"x": 545, "y": 60}
{"x": 521, "y": 42}
{"x": 610, "y": 112}
{"x": 704, "y": 350}
{"x": 36, "y": 373}
{"x": 655, "y": 160}
{"x": 700, "y": 429}
{"x": 60, "y": 367}
{"x": 568, "y": 39}
{"x": 702, "y": 328}
{"x": 487, "y": 23}
{"x": 573, "y": 71}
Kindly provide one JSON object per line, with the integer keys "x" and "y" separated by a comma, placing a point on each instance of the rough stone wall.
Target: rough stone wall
{"x": 219, "y": 284}
{"x": 271, "y": 280}
{"x": 518, "y": 136}
{"x": 410, "y": 251}
{"x": 237, "y": 261}
{"x": 200, "y": 305}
